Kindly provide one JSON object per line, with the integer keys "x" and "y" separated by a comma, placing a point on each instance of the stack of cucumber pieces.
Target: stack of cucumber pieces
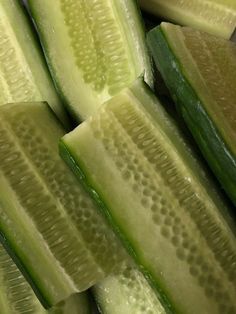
{"x": 112, "y": 200}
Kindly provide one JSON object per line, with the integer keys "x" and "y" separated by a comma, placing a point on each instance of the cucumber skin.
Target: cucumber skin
{"x": 214, "y": 149}
{"x": 80, "y": 172}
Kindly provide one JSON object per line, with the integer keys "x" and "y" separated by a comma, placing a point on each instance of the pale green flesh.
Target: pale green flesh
{"x": 204, "y": 61}
{"x": 16, "y": 296}
{"x": 217, "y": 17}
{"x": 94, "y": 48}
{"x": 127, "y": 292}
{"x": 23, "y": 73}
{"x": 158, "y": 203}
{"x": 66, "y": 242}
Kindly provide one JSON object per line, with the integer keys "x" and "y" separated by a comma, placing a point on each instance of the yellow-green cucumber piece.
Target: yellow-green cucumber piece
{"x": 17, "y": 297}
{"x": 217, "y": 17}
{"x": 200, "y": 72}
{"x": 127, "y": 292}
{"x": 93, "y": 48}
{"x": 48, "y": 223}
{"x": 137, "y": 166}
{"x": 23, "y": 71}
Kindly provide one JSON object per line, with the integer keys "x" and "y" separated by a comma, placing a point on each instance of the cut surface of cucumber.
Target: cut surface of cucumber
{"x": 23, "y": 72}
{"x": 200, "y": 72}
{"x": 217, "y": 17}
{"x": 127, "y": 292}
{"x": 159, "y": 200}
{"x": 48, "y": 222}
{"x": 94, "y": 48}
{"x": 16, "y": 296}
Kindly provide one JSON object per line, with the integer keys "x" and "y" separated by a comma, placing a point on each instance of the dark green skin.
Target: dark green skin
{"x": 207, "y": 135}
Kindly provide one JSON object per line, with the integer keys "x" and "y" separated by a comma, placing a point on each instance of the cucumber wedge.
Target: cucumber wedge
{"x": 217, "y": 17}
{"x": 16, "y": 296}
{"x": 48, "y": 223}
{"x": 138, "y": 168}
{"x": 23, "y": 72}
{"x": 127, "y": 292}
{"x": 94, "y": 48}
{"x": 200, "y": 72}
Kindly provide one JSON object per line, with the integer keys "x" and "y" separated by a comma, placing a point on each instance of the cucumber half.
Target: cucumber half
{"x": 217, "y": 17}
{"x": 138, "y": 168}
{"x": 16, "y": 296}
{"x": 127, "y": 292}
{"x": 200, "y": 72}
{"x": 23, "y": 72}
{"x": 94, "y": 48}
{"x": 48, "y": 223}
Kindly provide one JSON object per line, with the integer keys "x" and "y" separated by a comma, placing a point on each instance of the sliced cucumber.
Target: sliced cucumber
{"x": 16, "y": 296}
{"x": 158, "y": 199}
{"x": 23, "y": 72}
{"x": 94, "y": 48}
{"x": 127, "y": 292}
{"x": 48, "y": 222}
{"x": 200, "y": 72}
{"x": 217, "y": 17}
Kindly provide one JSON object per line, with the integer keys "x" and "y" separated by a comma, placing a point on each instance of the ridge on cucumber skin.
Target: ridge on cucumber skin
{"x": 104, "y": 49}
{"x": 101, "y": 149}
{"x": 33, "y": 170}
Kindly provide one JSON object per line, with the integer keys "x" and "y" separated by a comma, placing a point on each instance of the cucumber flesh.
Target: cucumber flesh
{"x": 23, "y": 72}
{"x": 200, "y": 72}
{"x": 159, "y": 201}
{"x": 217, "y": 17}
{"x": 16, "y": 296}
{"x": 49, "y": 223}
{"x": 94, "y": 48}
{"x": 127, "y": 292}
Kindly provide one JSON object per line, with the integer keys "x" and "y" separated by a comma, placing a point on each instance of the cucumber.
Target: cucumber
{"x": 217, "y": 17}
{"x": 23, "y": 72}
{"x": 93, "y": 48}
{"x": 203, "y": 86}
{"x": 133, "y": 160}
{"x": 48, "y": 224}
{"x": 16, "y": 296}
{"x": 127, "y": 292}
